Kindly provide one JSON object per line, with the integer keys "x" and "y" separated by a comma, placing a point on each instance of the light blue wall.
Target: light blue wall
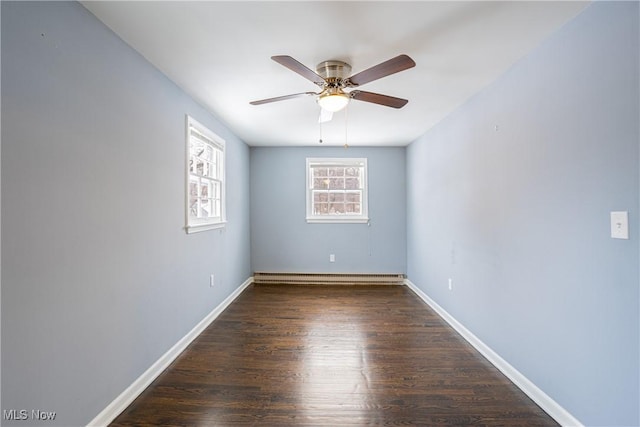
{"x": 99, "y": 278}
{"x": 281, "y": 239}
{"x": 518, "y": 215}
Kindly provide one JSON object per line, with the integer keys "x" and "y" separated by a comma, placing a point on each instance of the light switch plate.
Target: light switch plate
{"x": 620, "y": 225}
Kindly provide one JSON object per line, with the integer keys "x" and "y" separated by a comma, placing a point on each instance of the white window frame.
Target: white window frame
{"x": 313, "y": 162}
{"x": 217, "y": 144}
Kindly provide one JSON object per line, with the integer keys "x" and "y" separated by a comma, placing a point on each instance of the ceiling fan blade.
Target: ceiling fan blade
{"x": 299, "y": 68}
{"x": 392, "y": 66}
{"x": 325, "y": 116}
{"x": 376, "y": 98}
{"x": 281, "y": 98}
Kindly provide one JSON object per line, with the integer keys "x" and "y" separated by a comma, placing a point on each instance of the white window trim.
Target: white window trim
{"x": 214, "y": 223}
{"x": 337, "y": 219}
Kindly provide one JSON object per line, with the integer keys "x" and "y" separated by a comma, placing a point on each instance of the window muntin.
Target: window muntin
{"x": 337, "y": 190}
{"x": 205, "y": 178}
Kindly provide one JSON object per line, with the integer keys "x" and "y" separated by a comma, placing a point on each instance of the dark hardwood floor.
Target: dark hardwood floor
{"x": 291, "y": 355}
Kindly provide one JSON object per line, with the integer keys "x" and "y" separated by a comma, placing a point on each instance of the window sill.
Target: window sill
{"x": 334, "y": 220}
{"x": 204, "y": 227}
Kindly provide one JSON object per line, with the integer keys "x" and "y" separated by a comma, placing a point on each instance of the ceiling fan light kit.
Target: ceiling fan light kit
{"x": 331, "y": 77}
{"x": 333, "y": 100}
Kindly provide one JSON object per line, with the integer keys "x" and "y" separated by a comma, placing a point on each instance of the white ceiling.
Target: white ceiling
{"x": 219, "y": 53}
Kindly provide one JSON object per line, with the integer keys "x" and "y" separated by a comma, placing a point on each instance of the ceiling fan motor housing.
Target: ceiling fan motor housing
{"x": 334, "y": 72}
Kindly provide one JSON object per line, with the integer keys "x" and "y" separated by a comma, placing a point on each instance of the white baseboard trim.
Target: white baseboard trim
{"x": 125, "y": 398}
{"x": 550, "y": 406}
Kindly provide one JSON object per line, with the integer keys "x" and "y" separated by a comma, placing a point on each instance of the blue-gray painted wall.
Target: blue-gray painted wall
{"x": 282, "y": 240}
{"x": 99, "y": 278}
{"x": 510, "y": 198}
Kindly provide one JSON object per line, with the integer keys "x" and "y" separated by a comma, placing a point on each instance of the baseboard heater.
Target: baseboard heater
{"x": 328, "y": 278}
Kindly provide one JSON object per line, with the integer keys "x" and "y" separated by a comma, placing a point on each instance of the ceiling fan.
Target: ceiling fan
{"x": 332, "y": 78}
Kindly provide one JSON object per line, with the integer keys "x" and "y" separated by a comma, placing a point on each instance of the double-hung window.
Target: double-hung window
{"x": 205, "y": 208}
{"x": 337, "y": 190}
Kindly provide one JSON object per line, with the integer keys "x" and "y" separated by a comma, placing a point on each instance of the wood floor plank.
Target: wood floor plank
{"x": 335, "y": 355}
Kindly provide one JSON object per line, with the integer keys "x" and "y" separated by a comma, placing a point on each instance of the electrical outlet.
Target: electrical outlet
{"x": 332, "y": 257}
{"x": 212, "y": 281}
{"x": 450, "y": 284}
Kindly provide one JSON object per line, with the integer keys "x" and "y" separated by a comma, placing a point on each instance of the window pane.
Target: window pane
{"x": 353, "y": 208}
{"x": 336, "y": 208}
{"x": 197, "y": 148}
{"x": 215, "y": 190}
{"x": 204, "y": 190}
{"x": 208, "y": 154}
{"x": 336, "y": 171}
{"x": 319, "y": 197}
{"x": 336, "y": 197}
{"x": 205, "y": 208}
{"x": 320, "y": 172}
{"x": 213, "y": 170}
{"x": 320, "y": 183}
{"x": 353, "y": 197}
{"x": 193, "y": 207}
{"x": 352, "y": 183}
{"x": 336, "y": 183}
{"x": 203, "y": 168}
{"x": 200, "y": 167}
{"x": 193, "y": 188}
{"x": 217, "y": 165}
{"x": 321, "y": 208}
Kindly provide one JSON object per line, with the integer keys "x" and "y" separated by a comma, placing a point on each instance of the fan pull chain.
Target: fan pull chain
{"x": 346, "y": 125}
{"x": 320, "y": 139}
